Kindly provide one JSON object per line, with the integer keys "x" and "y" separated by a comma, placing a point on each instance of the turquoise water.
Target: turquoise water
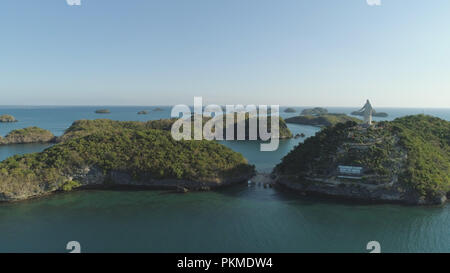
{"x": 236, "y": 219}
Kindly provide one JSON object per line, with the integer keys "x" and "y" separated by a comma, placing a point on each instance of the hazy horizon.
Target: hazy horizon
{"x": 190, "y": 105}
{"x": 141, "y": 53}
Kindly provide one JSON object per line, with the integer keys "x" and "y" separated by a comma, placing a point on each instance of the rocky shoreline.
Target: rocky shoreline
{"x": 94, "y": 178}
{"x": 356, "y": 192}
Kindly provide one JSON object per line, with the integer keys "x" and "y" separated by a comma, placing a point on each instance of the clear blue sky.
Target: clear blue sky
{"x": 287, "y": 52}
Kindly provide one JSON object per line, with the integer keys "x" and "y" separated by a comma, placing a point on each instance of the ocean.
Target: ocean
{"x": 235, "y": 219}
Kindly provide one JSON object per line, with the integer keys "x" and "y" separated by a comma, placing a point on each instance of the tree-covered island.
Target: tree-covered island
{"x": 28, "y": 135}
{"x": 406, "y": 160}
{"x": 102, "y": 111}
{"x": 7, "y": 118}
{"x": 126, "y": 157}
{"x": 322, "y": 119}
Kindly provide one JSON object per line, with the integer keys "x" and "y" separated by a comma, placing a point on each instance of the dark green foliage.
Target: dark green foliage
{"x": 284, "y": 131}
{"x": 86, "y": 127}
{"x": 414, "y": 147}
{"x": 427, "y": 140}
{"x": 316, "y": 153}
{"x": 70, "y": 185}
{"x": 141, "y": 153}
{"x": 28, "y": 135}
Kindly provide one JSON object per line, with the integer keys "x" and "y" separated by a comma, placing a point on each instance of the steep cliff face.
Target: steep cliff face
{"x": 389, "y": 193}
{"x": 122, "y": 157}
{"x": 93, "y": 177}
{"x": 406, "y": 160}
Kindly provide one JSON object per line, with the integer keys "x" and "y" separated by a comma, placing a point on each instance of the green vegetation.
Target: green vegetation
{"x": 142, "y": 154}
{"x": 290, "y": 110}
{"x": 284, "y": 131}
{"x": 82, "y": 128}
{"x": 322, "y": 120}
{"x": 315, "y": 111}
{"x": 28, "y": 135}
{"x": 143, "y": 112}
{"x": 7, "y": 118}
{"x": 316, "y": 154}
{"x": 427, "y": 141}
{"x": 102, "y": 111}
{"x": 86, "y": 127}
{"x": 416, "y": 149}
{"x": 70, "y": 185}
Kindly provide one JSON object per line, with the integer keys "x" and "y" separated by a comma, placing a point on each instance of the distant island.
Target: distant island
{"x": 315, "y": 111}
{"x": 406, "y": 160}
{"x": 157, "y": 109}
{"x": 284, "y": 132}
{"x": 102, "y": 111}
{"x": 122, "y": 157}
{"x": 85, "y": 127}
{"x": 28, "y": 135}
{"x": 322, "y": 120}
{"x": 374, "y": 113}
{"x": 290, "y": 110}
{"x": 7, "y": 118}
{"x": 143, "y": 112}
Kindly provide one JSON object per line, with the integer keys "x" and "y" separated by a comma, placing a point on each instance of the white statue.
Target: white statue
{"x": 367, "y": 111}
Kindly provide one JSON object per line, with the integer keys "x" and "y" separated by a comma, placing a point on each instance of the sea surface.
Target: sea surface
{"x": 237, "y": 219}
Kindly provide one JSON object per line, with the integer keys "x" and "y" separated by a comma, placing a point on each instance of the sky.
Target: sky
{"x": 165, "y": 52}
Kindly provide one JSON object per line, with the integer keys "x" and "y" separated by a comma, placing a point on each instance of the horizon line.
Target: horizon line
{"x": 171, "y": 105}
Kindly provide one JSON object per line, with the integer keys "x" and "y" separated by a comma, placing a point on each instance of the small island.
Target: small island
{"x": 404, "y": 161}
{"x": 122, "y": 157}
{"x": 7, "y": 118}
{"x": 157, "y": 109}
{"x": 315, "y": 111}
{"x": 322, "y": 120}
{"x": 290, "y": 110}
{"x": 143, "y": 112}
{"x": 28, "y": 135}
{"x": 102, "y": 111}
